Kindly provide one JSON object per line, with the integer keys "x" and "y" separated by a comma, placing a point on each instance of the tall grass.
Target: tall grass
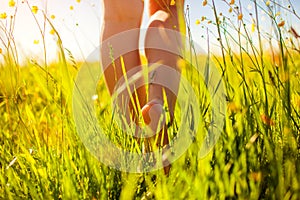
{"x": 256, "y": 157}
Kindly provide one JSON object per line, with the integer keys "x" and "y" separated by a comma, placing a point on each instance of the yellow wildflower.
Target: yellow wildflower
{"x": 268, "y": 3}
{"x": 204, "y": 3}
{"x": 71, "y": 7}
{"x": 34, "y": 9}
{"x": 232, "y": 2}
{"x": 267, "y": 120}
{"x": 172, "y": 3}
{"x": 197, "y": 22}
{"x": 281, "y": 24}
{"x": 0, "y": 51}
{"x": 36, "y": 41}
{"x": 52, "y": 32}
{"x": 240, "y": 17}
{"x": 52, "y": 16}
{"x": 233, "y": 107}
{"x": 230, "y": 10}
{"x": 256, "y": 176}
{"x": 78, "y": 1}
{"x": 3, "y": 15}
{"x": 253, "y": 27}
{"x": 11, "y": 3}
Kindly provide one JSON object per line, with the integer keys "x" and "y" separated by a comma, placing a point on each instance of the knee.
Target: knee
{"x": 162, "y": 33}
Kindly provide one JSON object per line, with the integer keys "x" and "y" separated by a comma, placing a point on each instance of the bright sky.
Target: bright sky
{"x": 79, "y": 27}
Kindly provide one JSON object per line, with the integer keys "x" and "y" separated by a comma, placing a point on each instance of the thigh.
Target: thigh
{"x": 122, "y": 10}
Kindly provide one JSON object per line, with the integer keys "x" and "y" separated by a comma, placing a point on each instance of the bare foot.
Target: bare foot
{"x": 155, "y": 120}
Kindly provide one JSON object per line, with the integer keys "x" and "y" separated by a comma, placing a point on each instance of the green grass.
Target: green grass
{"x": 256, "y": 157}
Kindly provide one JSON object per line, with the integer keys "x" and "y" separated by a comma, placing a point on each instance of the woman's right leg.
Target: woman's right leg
{"x": 121, "y": 16}
{"x": 165, "y": 22}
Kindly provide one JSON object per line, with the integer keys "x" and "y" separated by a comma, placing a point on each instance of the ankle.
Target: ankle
{"x": 154, "y": 116}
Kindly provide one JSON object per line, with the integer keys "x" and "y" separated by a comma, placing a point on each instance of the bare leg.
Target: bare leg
{"x": 163, "y": 16}
{"x": 121, "y": 16}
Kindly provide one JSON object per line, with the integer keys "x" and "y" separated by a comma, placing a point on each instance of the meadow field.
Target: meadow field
{"x": 257, "y": 155}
